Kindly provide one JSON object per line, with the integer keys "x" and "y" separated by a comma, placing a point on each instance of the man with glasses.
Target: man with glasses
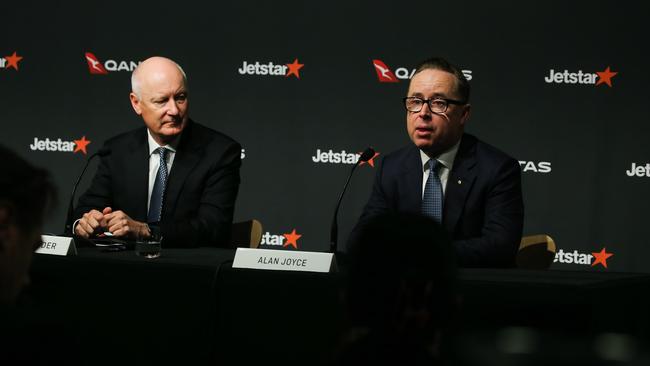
{"x": 471, "y": 188}
{"x": 172, "y": 177}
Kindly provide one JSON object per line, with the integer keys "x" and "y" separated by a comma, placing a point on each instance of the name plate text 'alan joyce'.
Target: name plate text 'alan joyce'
{"x": 284, "y": 260}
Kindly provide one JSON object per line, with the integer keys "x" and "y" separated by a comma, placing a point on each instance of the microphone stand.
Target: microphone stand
{"x": 334, "y": 228}
{"x": 68, "y": 220}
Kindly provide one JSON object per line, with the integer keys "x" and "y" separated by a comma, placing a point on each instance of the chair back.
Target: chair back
{"x": 246, "y": 234}
{"x": 536, "y": 252}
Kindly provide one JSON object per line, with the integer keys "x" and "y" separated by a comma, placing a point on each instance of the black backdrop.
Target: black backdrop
{"x": 576, "y": 140}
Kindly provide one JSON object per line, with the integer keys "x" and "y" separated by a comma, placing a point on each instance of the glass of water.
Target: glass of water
{"x": 149, "y": 247}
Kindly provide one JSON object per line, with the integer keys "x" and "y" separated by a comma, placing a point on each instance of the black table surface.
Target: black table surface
{"x": 212, "y": 258}
{"x": 191, "y": 306}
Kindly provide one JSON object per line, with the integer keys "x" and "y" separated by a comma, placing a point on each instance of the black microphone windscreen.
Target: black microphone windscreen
{"x": 367, "y": 154}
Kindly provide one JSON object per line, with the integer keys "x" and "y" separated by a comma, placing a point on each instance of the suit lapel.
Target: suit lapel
{"x": 459, "y": 183}
{"x": 411, "y": 181}
{"x": 136, "y": 171}
{"x": 187, "y": 157}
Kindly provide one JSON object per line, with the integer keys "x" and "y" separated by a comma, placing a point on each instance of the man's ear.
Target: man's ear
{"x": 466, "y": 113}
{"x": 135, "y": 103}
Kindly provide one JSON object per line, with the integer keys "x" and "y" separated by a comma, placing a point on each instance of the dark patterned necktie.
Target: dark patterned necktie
{"x": 432, "y": 199}
{"x": 158, "y": 191}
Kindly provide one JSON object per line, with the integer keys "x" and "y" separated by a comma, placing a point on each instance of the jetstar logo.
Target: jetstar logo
{"x": 601, "y": 257}
{"x": 271, "y": 69}
{"x": 96, "y": 67}
{"x": 575, "y": 257}
{"x": 580, "y": 77}
{"x": 340, "y": 157}
{"x": 60, "y": 145}
{"x": 639, "y": 170}
{"x": 285, "y": 240}
{"x": 386, "y": 75}
{"x": 535, "y": 166}
{"x": 10, "y": 62}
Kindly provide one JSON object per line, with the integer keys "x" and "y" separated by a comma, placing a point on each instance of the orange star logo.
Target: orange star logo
{"x": 12, "y": 61}
{"x": 601, "y": 257}
{"x": 605, "y": 77}
{"x": 370, "y": 161}
{"x": 80, "y": 145}
{"x": 292, "y": 239}
{"x": 294, "y": 68}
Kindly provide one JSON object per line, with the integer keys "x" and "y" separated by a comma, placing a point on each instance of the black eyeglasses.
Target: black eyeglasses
{"x": 436, "y": 105}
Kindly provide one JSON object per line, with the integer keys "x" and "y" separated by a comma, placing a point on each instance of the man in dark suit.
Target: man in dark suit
{"x": 173, "y": 177}
{"x": 471, "y": 188}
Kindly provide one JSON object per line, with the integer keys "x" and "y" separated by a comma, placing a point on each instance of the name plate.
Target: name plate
{"x": 284, "y": 260}
{"x": 57, "y": 245}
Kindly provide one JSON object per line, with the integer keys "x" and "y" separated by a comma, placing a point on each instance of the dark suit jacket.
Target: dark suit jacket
{"x": 201, "y": 187}
{"x": 483, "y": 209}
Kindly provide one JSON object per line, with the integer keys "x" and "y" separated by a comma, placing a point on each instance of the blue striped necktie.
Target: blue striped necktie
{"x": 432, "y": 198}
{"x": 158, "y": 191}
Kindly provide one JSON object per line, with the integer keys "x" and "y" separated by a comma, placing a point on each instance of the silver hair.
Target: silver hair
{"x": 135, "y": 83}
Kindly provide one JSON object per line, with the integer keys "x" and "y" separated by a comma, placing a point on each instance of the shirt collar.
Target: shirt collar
{"x": 446, "y": 158}
{"x": 153, "y": 145}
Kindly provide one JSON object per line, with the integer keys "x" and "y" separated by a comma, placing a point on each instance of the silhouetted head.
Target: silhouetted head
{"x": 401, "y": 279}
{"x": 26, "y": 193}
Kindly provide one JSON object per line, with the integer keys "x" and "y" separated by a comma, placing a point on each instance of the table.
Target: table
{"x": 191, "y": 307}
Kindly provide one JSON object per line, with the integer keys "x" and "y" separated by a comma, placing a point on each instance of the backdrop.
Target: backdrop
{"x": 558, "y": 85}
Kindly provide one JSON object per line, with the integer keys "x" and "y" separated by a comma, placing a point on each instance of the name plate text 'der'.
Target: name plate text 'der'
{"x": 284, "y": 260}
{"x": 57, "y": 245}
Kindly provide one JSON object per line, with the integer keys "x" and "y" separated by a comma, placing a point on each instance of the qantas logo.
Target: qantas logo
{"x": 10, "y": 62}
{"x": 285, "y": 240}
{"x": 60, "y": 145}
{"x": 386, "y": 75}
{"x": 96, "y": 67}
{"x": 580, "y": 77}
{"x": 535, "y": 166}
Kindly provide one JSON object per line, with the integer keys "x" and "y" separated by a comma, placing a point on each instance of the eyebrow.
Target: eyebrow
{"x": 175, "y": 92}
{"x": 435, "y": 95}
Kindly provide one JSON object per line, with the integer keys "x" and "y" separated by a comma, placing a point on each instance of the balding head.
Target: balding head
{"x": 151, "y": 69}
{"x": 159, "y": 96}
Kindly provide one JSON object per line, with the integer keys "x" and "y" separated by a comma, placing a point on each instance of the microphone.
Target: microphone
{"x": 104, "y": 151}
{"x": 334, "y": 229}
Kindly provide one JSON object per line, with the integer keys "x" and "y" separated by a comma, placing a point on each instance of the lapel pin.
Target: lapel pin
{"x": 460, "y": 181}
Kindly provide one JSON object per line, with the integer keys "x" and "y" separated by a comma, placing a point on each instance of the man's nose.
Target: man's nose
{"x": 172, "y": 108}
{"x": 425, "y": 112}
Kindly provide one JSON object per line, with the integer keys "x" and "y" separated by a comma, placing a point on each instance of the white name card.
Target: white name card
{"x": 57, "y": 245}
{"x": 284, "y": 260}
